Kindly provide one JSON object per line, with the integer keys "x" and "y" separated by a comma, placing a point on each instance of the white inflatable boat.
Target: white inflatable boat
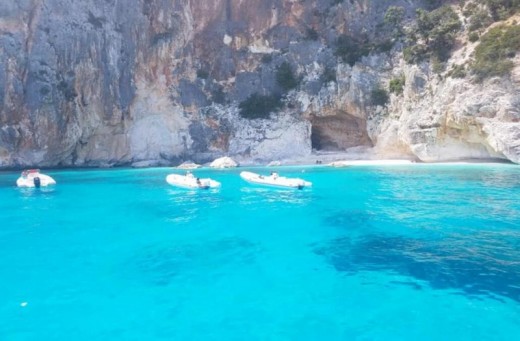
{"x": 190, "y": 181}
{"x": 274, "y": 180}
{"x": 33, "y": 178}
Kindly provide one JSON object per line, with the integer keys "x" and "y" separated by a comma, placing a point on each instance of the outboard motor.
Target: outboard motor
{"x": 37, "y": 182}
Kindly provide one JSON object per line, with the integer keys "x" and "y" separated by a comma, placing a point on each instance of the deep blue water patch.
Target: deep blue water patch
{"x": 480, "y": 264}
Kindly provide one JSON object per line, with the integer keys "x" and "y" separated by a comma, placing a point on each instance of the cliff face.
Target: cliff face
{"x": 446, "y": 119}
{"x": 113, "y": 82}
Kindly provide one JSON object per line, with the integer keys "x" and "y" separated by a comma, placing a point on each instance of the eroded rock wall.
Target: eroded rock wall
{"x": 113, "y": 82}
{"x": 447, "y": 119}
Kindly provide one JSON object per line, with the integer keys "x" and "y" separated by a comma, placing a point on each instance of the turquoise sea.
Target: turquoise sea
{"x": 419, "y": 252}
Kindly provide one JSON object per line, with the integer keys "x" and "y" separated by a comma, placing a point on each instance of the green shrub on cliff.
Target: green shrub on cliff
{"x": 259, "y": 106}
{"x": 492, "y": 55}
{"x": 473, "y": 37}
{"x": 379, "y": 96}
{"x": 479, "y": 19}
{"x": 439, "y": 28}
{"x": 415, "y": 54}
{"x": 285, "y": 77}
{"x": 396, "y": 85}
{"x": 501, "y": 9}
{"x": 457, "y": 71}
{"x": 393, "y": 19}
{"x": 469, "y": 9}
{"x": 350, "y": 50}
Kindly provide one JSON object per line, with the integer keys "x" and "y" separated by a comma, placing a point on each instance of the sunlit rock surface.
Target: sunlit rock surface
{"x": 223, "y": 162}
{"x": 138, "y": 82}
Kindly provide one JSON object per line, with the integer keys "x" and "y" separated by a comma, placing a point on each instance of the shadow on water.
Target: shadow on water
{"x": 162, "y": 265}
{"x": 484, "y": 264}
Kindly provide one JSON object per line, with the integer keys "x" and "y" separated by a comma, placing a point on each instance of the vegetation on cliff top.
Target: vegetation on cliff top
{"x": 434, "y": 35}
{"x": 393, "y": 19}
{"x": 492, "y": 55}
{"x": 501, "y": 9}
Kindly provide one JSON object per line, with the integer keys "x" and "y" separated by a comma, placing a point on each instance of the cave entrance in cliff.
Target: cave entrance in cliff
{"x": 338, "y": 132}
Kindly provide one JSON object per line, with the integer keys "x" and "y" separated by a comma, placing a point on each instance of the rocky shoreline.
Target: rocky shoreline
{"x": 337, "y": 159}
{"x": 332, "y": 159}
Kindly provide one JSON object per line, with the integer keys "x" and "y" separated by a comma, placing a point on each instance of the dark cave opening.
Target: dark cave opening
{"x": 338, "y": 132}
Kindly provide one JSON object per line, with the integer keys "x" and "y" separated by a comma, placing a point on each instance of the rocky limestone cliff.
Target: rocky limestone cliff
{"x": 113, "y": 82}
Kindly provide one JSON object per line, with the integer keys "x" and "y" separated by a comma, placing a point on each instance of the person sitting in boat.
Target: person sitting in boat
{"x": 274, "y": 175}
{"x": 198, "y": 182}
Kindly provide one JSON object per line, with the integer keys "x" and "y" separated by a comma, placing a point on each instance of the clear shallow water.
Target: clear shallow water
{"x": 369, "y": 253}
